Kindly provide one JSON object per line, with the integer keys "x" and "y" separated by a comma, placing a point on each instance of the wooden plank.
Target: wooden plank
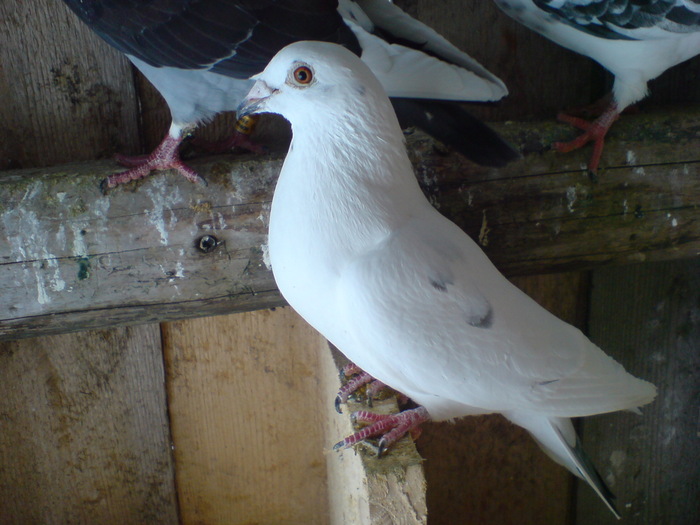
{"x": 84, "y": 434}
{"x": 83, "y": 430}
{"x": 247, "y": 419}
{"x": 485, "y": 469}
{"x": 66, "y": 95}
{"x": 646, "y": 316}
{"x": 73, "y": 258}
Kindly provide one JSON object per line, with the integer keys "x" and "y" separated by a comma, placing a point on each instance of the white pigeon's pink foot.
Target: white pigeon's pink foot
{"x": 391, "y": 427}
{"x": 239, "y": 139}
{"x": 357, "y": 379}
{"x": 164, "y": 157}
{"x": 592, "y": 132}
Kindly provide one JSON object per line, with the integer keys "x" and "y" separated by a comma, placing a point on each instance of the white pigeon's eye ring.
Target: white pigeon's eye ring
{"x": 303, "y": 75}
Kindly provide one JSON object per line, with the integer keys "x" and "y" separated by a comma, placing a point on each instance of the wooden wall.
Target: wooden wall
{"x": 216, "y": 420}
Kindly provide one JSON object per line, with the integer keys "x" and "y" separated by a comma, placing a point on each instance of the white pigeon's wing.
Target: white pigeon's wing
{"x": 434, "y": 319}
{"x": 627, "y": 19}
{"x": 414, "y": 72}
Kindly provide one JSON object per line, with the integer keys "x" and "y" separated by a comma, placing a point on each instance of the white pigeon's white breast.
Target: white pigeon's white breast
{"x": 305, "y": 254}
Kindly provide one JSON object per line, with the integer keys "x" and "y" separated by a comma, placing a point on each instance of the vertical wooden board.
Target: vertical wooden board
{"x": 83, "y": 430}
{"x": 66, "y": 94}
{"x": 648, "y": 318}
{"x": 246, "y": 418}
{"x": 485, "y": 470}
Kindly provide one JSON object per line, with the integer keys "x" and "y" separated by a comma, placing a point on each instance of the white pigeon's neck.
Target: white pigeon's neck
{"x": 360, "y": 146}
{"x": 350, "y": 173}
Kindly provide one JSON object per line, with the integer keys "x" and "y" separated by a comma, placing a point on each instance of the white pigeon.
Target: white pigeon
{"x": 199, "y": 55}
{"x": 635, "y": 40}
{"x": 360, "y": 253}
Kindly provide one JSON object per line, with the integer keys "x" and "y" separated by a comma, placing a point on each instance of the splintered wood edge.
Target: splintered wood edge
{"x": 363, "y": 488}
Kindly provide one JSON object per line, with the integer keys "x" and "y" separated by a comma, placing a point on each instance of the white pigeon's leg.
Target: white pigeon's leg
{"x": 391, "y": 427}
{"x": 165, "y": 156}
{"x": 239, "y": 139}
{"x": 592, "y": 132}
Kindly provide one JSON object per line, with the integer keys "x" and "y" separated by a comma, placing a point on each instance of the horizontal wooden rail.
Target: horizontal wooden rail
{"x": 160, "y": 249}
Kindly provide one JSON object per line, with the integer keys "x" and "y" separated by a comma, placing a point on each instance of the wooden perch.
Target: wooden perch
{"x": 164, "y": 249}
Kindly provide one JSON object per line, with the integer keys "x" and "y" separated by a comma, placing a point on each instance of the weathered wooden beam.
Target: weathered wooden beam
{"x": 72, "y": 258}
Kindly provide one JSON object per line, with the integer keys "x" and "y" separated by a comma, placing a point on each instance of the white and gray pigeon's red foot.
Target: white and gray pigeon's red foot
{"x": 594, "y": 131}
{"x": 391, "y": 427}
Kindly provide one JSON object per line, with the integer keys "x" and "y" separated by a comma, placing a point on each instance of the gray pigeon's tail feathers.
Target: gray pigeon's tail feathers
{"x": 452, "y": 125}
{"x": 557, "y": 438}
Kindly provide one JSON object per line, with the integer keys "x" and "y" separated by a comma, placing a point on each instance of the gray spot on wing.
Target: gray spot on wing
{"x": 484, "y": 320}
{"x": 439, "y": 284}
{"x": 543, "y": 383}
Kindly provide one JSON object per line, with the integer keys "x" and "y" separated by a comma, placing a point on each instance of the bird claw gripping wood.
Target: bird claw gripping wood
{"x": 391, "y": 427}
{"x": 357, "y": 379}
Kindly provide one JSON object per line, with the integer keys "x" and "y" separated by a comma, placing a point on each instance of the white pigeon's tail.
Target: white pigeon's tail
{"x": 558, "y": 439}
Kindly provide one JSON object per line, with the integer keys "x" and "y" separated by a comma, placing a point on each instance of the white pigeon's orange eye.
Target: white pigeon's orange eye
{"x": 303, "y": 75}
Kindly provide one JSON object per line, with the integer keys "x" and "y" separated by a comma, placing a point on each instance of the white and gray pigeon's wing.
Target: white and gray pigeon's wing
{"x": 440, "y": 314}
{"x": 626, "y": 19}
{"x": 175, "y": 42}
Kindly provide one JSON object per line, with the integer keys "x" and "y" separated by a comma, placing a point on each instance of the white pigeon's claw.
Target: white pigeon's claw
{"x": 406, "y": 295}
{"x": 356, "y": 379}
{"x": 391, "y": 427}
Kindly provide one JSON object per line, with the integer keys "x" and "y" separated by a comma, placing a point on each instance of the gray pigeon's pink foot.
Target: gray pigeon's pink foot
{"x": 391, "y": 427}
{"x": 164, "y": 157}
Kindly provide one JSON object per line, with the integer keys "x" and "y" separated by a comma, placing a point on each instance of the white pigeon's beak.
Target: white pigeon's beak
{"x": 254, "y": 101}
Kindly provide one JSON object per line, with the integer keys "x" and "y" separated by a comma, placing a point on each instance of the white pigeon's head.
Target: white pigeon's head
{"x": 309, "y": 79}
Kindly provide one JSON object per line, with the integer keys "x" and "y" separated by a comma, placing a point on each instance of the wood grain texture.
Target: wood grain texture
{"x": 648, "y": 318}
{"x": 67, "y": 96}
{"x": 483, "y": 470}
{"x": 247, "y": 419}
{"x": 83, "y": 430}
{"x": 77, "y": 254}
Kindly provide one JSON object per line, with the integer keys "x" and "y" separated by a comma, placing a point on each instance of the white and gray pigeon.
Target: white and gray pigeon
{"x": 199, "y": 54}
{"x": 358, "y": 251}
{"x": 633, "y": 39}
